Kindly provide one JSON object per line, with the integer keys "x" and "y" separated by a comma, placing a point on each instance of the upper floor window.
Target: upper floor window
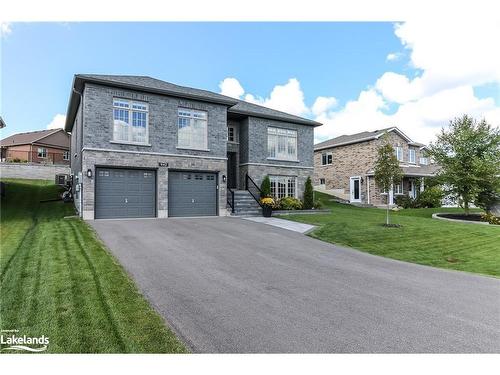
{"x": 281, "y": 143}
{"x": 192, "y": 129}
{"x": 130, "y": 121}
{"x": 411, "y": 155}
{"x": 231, "y": 134}
{"x": 66, "y": 155}
{"x": 399, "y": 153}
{"x": 42, "y": 152}
{"x": 423, "y": 160}
{"x": 326, "y": 158}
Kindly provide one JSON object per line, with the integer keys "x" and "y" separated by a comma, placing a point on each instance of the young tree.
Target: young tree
{"x": 468, "y": 154}
{"x": 387, "y": 170}
{"x": 265, "y": 187}
{"x": 308, "y": 194}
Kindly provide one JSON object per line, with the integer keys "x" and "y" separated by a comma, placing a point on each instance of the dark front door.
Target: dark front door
{"x": 231, "y": 170}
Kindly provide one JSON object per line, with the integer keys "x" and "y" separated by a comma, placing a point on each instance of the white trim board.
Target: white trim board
{"x": 153, "y": 153}
{"x": 277, "y": 165}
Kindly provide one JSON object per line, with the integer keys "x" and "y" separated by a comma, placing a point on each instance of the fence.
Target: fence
{"x": 17, "y": 156}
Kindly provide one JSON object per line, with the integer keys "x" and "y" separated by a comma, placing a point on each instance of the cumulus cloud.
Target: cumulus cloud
{"x": 57, "y": 122}
{"x": 231, "y": 87}
{"x": 323, "y": 104}
{"x": 393, "y": 56}
{"x": 5, "y": 28}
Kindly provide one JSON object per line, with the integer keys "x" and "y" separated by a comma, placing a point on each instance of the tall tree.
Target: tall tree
{"x": 468, "y": 154}
{"x": 387, "y": 170}
{"x": 308, "y": 194}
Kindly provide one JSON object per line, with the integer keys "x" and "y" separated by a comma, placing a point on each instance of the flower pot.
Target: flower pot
{"x": 267, "y": 211}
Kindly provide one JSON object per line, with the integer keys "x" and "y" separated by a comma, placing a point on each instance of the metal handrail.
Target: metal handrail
{"x": 231, "y": 201}
{"x": 254, "y": 185}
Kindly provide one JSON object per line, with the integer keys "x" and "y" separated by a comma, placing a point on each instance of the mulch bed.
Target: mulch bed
{"x": 471, "y": 217}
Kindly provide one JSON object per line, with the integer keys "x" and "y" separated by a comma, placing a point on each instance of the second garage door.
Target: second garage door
{"x": 192, "y": 194}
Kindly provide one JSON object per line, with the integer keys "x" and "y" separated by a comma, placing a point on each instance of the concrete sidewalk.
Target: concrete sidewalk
{"x": 280, "y": 223}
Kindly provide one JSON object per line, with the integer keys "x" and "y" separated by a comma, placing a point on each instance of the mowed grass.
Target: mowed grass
{"x": 58, "y": 280}
{"x": 421, "y": 239}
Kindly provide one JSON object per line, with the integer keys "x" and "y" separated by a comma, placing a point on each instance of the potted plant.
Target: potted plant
{"x": 267, "y": 206}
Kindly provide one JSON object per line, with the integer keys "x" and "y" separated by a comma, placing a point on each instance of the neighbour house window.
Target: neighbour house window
{"x": 424, "y": 161}
{"x": 42, "y": 152}
{"x": 399, "y": 153}
{"x": 322, "y": 181}
{"x": 326, "y": 158}
{"x": 130, "y": 121}
{"x": 411, "y": 155}
{"x": 283, "y": 186}
{"x": 281, "y": 143}
{"x": 66, "y": 155}
{"x": 398, "y": 188}
{"x": 230, "y": 134}
{"x": 192, "y": 129}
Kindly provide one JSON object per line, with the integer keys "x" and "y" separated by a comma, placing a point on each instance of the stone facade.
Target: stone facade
{"x": 358, "y": 159}
{"x": 32, "y": 171}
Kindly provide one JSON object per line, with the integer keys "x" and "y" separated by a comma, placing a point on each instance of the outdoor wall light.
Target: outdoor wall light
{"x": 89, "y": 173}
{"x": 223, "y": 178}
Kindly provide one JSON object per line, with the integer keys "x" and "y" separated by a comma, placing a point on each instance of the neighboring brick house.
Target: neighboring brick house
{"x": 42, "y": 146}
{"x": 142, "y": 147}
{"x": 344, "y": 166}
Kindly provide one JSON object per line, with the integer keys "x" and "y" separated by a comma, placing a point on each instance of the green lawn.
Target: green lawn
{"x": 58, "y": 280}
{"x": 421, "y": 239}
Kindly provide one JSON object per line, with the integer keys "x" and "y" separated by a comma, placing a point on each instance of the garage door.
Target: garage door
{"x": 125, "y": 193}
{"x": 192, "y": 194}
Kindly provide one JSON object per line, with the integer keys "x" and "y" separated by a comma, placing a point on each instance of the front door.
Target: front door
{"x": 231, "y": 170}
{"x": 355, "y": 189}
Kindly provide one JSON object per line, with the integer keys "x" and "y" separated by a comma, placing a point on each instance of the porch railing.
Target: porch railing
{"x": 230, "y": 198}
{"x": 253, "y": 189}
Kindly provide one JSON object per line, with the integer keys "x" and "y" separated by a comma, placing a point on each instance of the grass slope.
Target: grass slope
{"x": 423, "y": 240}
{"x": 58, "y": 280}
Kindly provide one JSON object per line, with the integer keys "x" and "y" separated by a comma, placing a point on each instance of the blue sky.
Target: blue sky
{"x": 331, "y": 60}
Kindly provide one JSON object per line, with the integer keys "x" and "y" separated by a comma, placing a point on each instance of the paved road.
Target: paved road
{"x": 230, "y": 285}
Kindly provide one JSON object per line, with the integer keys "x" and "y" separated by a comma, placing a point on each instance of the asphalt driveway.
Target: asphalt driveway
{"x": 234, "y": 286}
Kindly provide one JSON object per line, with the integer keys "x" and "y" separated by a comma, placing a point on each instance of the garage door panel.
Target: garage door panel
{"x": 192, "y": 194}
{"x": 125, "y": 193}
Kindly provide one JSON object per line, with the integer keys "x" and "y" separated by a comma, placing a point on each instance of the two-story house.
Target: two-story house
{"x": 344, "y": 166}
{"x": 142, "y": 147}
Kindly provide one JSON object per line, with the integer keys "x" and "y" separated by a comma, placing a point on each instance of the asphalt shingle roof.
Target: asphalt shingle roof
{"x": 351, "y": 138}
{"x": 26, "y": 138}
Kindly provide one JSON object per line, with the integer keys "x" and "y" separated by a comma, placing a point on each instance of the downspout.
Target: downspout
{"x": 368, "y": 189}
{"x": 80, "y": 193}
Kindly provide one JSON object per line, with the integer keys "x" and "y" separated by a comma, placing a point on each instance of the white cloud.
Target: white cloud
{"x": 5, "y": 28}
{"x": 393, "y": 56}
{"x": 398, "y": 88}
{"x": 288, "y": 98}
{"x": 231, "y": 87}
{"x": 57, "y": 122}
{"x": 323, "y": 104}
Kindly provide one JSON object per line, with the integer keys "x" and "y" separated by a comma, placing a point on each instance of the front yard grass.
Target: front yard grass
{"x": 57, "y": 279}
{"x": 421, "y": 239}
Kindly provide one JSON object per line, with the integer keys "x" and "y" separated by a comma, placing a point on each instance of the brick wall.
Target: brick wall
{"x": 32, "y": 171}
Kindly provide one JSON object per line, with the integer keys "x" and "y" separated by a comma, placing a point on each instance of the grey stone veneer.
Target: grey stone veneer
{"x": 91, "y": 159}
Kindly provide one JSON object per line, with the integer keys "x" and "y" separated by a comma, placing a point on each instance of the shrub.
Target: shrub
{"x": 265, "y": 187}
{"x": 288, "y": 203}
{"x": 308, "y": 195}
{"x": 430, "y": 197}
{"x": 405, "y": 201}
{"x": 318, "y": 205}
{"x": 267, "y": 201}
{"x": 490, "y": 218}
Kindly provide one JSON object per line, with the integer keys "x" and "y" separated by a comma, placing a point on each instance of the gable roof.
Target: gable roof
{"x": 28, "y": 137}
{"x": 2, "y": 123}
{"x": 156, "y": 86}
{"x": 362, "y": 137}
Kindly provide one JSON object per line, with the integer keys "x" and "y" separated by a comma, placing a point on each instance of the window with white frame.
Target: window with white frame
{"x": 130, "y": 121}
{"x": 281, "y": 143}
{"x": 399, "y": 153}
{"x": 66, "y": 155}
{"x": 326, "y": 158}
{"x": 42, "y": 152}
{"x": 231, "y": 134}
{"x": 192, "y": 129}
{"x": 283, "y": 186}
{"x": 398, "y": 188}
{"x": 424, "y": 161}
{"x": 411, "y": 155}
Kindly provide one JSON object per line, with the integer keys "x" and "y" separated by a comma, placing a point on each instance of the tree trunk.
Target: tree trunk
{"x": 387, "y": 212}
{"x": 466, "y": 207}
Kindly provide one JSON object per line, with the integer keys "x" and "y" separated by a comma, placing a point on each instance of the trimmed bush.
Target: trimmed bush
{"x": 288, "y": 203}
{"x": 265, "y": 187}
{"x": 308, "y": 195}
{"x": 430, "y": 197}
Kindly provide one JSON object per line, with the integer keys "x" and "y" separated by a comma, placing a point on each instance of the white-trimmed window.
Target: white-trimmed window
{"x": 42, "y": 152}
{"x": 326, "y": 158}
{"x": 231, "y": 134}
{"x": 192, "y": 129}
{"x": 398, "y": 188}
{"x": 66, "y": 155}
{"x": 281, "y": 144}
{"x": 399, "y": 153}
{"x": 130, "y": 121}
{"x": 283, "y": 186}
{"x": 411, "y": 156}
{"x": 424, "y": 161}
